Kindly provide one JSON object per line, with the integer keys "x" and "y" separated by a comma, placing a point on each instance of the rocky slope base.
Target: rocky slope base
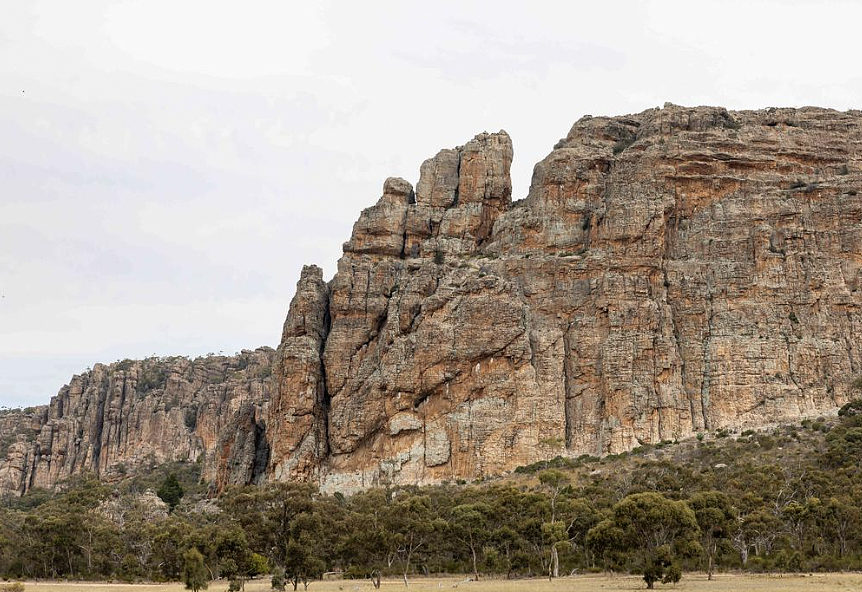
{"x": 676, "y": 271}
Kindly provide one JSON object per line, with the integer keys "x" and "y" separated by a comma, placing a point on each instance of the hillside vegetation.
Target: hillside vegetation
{"x": 787, "y": 499}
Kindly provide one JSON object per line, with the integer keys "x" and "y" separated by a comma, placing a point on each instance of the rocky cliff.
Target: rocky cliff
{"x": 672, "y": 272}
{"x": 119, "y": 418}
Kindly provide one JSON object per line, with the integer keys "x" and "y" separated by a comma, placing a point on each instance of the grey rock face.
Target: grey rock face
{"x": 119, "y": 418}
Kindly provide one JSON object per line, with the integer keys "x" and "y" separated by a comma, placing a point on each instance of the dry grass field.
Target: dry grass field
{"x": 691, "y": 582}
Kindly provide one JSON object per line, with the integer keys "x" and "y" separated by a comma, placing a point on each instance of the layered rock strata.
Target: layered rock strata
{"x": 671, "y": 272}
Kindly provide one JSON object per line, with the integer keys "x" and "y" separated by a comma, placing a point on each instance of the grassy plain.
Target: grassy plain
{"x": 588, "y": 583}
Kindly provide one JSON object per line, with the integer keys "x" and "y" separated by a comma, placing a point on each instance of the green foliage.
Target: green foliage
{"x": 194, "y": 570}
{"x": 187, "y": 473}
{"x": 650, "y": 527}
{"x": 279, "y": 580}
{"x": 190, "y": 417}
{"x": 171, "y": 492}
{"x": 257, "y": 564}
{"x": 715, "y": 517}
{"x": 672, "y": 574}
{"x": 555, "y": 463}
{"x": 622, "y": 144}
{"x": 853, "y": 407}
{"x": 5, "y": 442}
{"x": 788, "y": 499}
{"x": 154, "y": 375}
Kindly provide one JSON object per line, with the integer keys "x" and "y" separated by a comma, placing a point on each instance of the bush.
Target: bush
{"x": 623, "y": 144}
{"x": 171, "y": 492}
{"x": 278, "y": 579}
{"x": 191, "y": 418}
{"x": 672, "y": 575}
{"x": 853, "y": 408}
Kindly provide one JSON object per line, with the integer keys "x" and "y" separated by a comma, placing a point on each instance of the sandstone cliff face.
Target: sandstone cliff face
{"x": 671, "y": 272}
{"x": 118, "y": 418}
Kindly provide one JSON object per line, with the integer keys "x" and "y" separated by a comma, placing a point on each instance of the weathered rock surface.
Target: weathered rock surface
{"x": 117, "y": 418}
{"x": 670, "y": 272}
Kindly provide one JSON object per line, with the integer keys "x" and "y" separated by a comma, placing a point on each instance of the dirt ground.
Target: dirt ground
{"x": 690, "y": 582}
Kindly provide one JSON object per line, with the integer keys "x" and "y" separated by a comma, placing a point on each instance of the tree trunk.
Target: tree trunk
{"x": 407, "y": 568}
{"x": 709, "y": 567}
{"x": 375, "y": 579}
{"x": 69, "y": 556}
{"x": 556, "y": 561}
{"x": 475, "y": 569}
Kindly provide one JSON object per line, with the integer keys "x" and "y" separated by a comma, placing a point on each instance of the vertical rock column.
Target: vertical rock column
{"x": 297, "y": 415}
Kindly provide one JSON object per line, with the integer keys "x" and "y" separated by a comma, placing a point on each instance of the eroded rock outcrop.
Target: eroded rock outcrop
{"x": 126, "y": 416}
{"x": 670, "y": 272}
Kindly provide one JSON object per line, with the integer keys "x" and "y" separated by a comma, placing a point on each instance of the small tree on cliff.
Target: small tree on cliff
{"x": 171, "y": 492}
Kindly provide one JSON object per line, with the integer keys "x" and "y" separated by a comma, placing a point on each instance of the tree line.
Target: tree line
{"x": 785, "y": 500}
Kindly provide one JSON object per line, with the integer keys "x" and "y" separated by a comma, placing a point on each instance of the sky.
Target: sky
{"x": 167, "y": 167}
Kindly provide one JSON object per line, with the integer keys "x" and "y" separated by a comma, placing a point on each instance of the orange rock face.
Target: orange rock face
{"x": 671, "y": 272}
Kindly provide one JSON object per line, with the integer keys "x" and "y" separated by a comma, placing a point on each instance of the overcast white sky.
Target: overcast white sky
{"x": 166, "y": 167}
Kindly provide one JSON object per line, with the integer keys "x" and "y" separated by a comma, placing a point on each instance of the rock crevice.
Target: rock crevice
{"x": 669, "y": 272}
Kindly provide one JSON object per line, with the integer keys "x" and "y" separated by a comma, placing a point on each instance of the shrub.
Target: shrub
{"x": 851, "y": 409}
{"x": 171, "y": 492}
{"x": 190, "y": 418}
{"x": 623, "y": 144}
{"x": 672, "y": 575}
{"x": 278, "y": 579}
